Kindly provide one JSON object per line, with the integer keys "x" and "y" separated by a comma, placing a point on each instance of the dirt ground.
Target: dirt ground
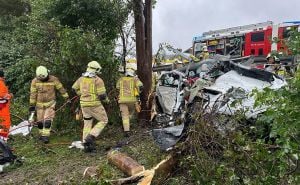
{"x": 57, "y": 164}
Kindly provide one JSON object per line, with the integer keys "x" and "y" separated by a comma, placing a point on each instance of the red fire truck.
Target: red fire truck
{"x": 253, "y": 39}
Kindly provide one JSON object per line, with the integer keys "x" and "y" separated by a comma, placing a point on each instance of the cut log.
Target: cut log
{"x": 146, "y": 177}
{"x": 124, "y": 163}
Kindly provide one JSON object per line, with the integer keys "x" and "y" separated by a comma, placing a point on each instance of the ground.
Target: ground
{"x": 55, "y": 163}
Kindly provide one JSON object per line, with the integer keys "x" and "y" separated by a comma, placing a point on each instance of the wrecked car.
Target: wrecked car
{"x": 218, "y": 83}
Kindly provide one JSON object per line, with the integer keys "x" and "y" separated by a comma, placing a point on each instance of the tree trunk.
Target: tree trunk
{"x": 143, "y": 29}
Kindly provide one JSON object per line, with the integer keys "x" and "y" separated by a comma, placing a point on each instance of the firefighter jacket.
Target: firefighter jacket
{"x": 42, "y": 93}
{"x": 129, "y": 88}
{"x": 89, "y": 88}
{"x": 204, "y": 55}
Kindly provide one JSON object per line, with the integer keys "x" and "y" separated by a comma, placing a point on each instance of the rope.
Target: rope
{"x": 34, "y": 123}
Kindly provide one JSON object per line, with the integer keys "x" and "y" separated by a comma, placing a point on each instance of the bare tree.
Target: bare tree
{"x": 126, "y": 42}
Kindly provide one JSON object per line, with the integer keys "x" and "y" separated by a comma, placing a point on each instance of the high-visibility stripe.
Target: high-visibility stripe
{"x": 100, "y": 125}
{"x": 44, "y": 83}
{"x": 125, "y": 121}
{"x": 101, "y": 90}
{"x": 45, "y": 104}
{"x": 89, "y": 104}
{"x": 46, "y": 132}
{"x": 32, "y": 101}
{"x": 87, "y": 130}
{"x": 58, "y": 85}
{"x": 33, "y": 89}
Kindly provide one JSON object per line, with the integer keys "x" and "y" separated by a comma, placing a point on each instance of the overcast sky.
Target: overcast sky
{"x": 178, "y": 21}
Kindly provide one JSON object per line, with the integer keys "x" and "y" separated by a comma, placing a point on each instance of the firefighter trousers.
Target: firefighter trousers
{"x": 127, "y": 110}
{"x": 45, "y": 118}
{"x": 89, "y": 114}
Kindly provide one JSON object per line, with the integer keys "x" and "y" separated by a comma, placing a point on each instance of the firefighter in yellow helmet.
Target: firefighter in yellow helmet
{"x": 92, "y": 91}
{"x": 43, "y": 100}
{"x": 129, "y": 87}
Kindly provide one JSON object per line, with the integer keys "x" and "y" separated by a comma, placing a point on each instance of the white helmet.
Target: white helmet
{"x": 93, "y": 67}
{"x": 204, "y": 48}
{"x": 274, "y": 56}
{"x": 42, "y": 72}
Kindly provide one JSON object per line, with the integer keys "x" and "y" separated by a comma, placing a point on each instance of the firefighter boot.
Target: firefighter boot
{"x": 89, "y": 144}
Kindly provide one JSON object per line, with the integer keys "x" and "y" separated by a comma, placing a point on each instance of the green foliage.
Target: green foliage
{"x": 99, "y": 16}
{"x": 293, "y": 42}
{"x": 262, "y": 152}
{"x": 14, "y": 7}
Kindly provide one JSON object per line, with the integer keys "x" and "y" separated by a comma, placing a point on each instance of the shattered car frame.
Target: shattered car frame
{"x": 219, "y": 83}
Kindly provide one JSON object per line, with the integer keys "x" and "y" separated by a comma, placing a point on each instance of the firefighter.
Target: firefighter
{"x": 92, "y": 91}
{"x": 5, "y": 97}
{"x": 204, "y": 54}
{"x": 43, "y": 100}
{"x": 129, "y": 88}
{"x": 272, "y": 65}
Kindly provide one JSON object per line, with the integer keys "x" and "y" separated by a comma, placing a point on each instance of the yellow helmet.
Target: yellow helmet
{"x": 42, "y": 72}
{"x": 93, "y": 67}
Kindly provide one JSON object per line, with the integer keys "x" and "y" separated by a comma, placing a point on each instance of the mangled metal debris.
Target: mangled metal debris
{"x": 223, "y": 86}
{"x": 168, "y": 137}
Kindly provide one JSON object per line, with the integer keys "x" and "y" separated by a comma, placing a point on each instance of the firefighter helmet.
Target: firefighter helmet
{"x": 94, "y": 67}
{"x": 204, "y": 48}
{"x": 42, "y": 72}
{"x": 272, "y": 55}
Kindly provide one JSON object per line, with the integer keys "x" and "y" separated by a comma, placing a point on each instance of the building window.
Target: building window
{"x": 252, "y": 51}
{"x": 258, "y": 37}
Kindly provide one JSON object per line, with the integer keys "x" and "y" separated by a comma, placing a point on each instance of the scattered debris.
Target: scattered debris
{"x": 90, "y": 172}
{"x": 77, "y": 144}
{"x": 23, "y": 128}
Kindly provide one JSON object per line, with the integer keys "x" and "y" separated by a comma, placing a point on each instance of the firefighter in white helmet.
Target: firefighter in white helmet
{"x": 129, "y": 87}
{"x": 43, "y": 100}
{"x": 92, "y": 92}
{"x": 272, "y": 63}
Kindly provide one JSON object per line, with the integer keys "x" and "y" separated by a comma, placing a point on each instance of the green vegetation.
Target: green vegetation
{"x": 262, "y": 151}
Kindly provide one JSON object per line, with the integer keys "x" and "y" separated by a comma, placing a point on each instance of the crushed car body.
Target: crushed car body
{"x": 220, "y": 83}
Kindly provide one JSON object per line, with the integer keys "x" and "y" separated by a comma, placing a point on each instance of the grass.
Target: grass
{"x": 57, "y": 164}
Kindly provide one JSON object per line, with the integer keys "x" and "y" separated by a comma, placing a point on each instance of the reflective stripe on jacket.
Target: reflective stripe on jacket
{"x": 89, "y": 89}
{"x": 129, "y": 89}
{"x": 42, "y": 94}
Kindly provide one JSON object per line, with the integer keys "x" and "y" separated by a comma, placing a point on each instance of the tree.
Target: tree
{"x": 143, "y": 30}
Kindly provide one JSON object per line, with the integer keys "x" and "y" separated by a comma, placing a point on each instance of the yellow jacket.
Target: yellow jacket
{"x": 42, "y": 94}
{"x": 129, "y": 89}
{"x": 89, "y": 89}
